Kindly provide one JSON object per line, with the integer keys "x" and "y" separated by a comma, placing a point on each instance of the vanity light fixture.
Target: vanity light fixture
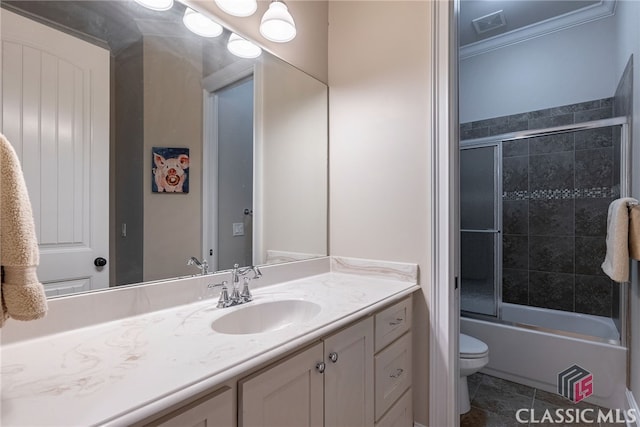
{"x": 158, "y": 5}
{"x": 242, "y": 47}
{"x": 240, "y": 8}
{"x": 200, "y": 24}
{"x": 277, "y": 23}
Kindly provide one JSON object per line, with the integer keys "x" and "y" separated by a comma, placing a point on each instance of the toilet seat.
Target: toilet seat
{"x": 472, "y": 348}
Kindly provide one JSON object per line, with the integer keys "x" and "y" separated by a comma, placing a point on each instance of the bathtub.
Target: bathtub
{"x": 524, "y": 348}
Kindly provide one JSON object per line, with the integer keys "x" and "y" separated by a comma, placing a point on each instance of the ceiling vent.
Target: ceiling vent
{"x": 489, "y": 22}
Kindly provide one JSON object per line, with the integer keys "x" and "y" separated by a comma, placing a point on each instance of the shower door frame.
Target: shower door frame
{"x": 625, "y": 191}
{"x": 497, "y": 221}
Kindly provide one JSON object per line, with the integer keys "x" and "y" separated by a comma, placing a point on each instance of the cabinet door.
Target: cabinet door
{"x": 348, "y": 380}
{"x": 289, "y": 394}
{"x": 216, "y": 409}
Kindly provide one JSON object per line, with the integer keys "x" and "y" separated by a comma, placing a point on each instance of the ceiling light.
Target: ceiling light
{"x": 277, "y": 23}
{"x": 238, "y": 7}
{"x": 242, "y": 47}
{"x": 156, "y": 4}
{"x": 200, "y": 24}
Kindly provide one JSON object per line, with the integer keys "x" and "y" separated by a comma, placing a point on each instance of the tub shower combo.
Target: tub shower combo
{"x": 533, "y": 209}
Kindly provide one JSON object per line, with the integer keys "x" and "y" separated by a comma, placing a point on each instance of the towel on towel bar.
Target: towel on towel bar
{"x": 634, "y": 232}
{"x": 616, "y": 262}
{"x": 22, "y": 295}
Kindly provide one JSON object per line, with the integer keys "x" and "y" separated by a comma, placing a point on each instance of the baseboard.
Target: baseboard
{"x": 632, "y": 404}
{"x": 418, "y": 425}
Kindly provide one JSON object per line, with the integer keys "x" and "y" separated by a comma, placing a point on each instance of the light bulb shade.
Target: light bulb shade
{"x": 200, "y": 24}
{"x": 238, "y": 7}
{"x": 242, "y": 47}
{"x": 277, "y": 23}
{"x": 156, "y": 4}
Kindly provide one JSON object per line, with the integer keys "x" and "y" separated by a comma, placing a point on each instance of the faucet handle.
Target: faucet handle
{"x": 235, "y": 295}
{"x": 256, "y": 272}
{"x": 223, "y": 301}
{"x": 246, "y": 293}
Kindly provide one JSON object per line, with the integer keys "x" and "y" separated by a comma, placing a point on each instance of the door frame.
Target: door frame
{"x": 444, "y": 293}
{"x": 211, "y": 85}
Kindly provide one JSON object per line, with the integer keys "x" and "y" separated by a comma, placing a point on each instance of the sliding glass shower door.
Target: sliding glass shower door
{"x": 480, "y": 229}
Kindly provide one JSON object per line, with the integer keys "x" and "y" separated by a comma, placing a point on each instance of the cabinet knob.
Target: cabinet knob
{"x": 396, "y": 322}
{"x": 333, "y": 356}
{"x": 397, "y": 373}
{"x": 320, "y": 367}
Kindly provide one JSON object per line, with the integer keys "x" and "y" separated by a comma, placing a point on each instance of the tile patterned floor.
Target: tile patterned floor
{"x": 494, "y": 403}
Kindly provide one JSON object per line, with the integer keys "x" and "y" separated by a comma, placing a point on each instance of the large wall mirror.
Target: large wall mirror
{"x": 144, "y": 144}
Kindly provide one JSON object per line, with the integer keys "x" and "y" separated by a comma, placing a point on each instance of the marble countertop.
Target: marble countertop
{"x": 122, "y": 371}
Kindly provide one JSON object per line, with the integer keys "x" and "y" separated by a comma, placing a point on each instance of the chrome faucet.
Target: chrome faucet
{"x": 202, "y": 265}
{"x": 236, "y": 296}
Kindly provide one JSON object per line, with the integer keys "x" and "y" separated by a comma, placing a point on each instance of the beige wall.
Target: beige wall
{"x": 379, "y": 85}
{"x": 308, "y": 51}
{"x": 172, "y": 118}
{"x": 291, "y": 160}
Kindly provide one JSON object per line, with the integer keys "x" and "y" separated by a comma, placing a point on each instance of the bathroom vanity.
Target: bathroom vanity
{"x": 327, "y": 349}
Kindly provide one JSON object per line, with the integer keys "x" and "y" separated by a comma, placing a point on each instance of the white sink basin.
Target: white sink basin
{"x": 256, "y": 318}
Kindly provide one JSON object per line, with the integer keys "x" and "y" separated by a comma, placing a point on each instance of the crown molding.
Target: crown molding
{"x": 603, "y": 9}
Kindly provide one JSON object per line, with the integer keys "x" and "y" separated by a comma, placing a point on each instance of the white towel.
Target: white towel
{"x": 21, "y": 293}
{"x": 616, "y": 262}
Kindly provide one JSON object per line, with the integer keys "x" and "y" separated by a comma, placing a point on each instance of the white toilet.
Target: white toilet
{"x": 474, "y": 355}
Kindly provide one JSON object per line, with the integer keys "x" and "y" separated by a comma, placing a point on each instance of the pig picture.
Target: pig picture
{"x": 169, "y": 168}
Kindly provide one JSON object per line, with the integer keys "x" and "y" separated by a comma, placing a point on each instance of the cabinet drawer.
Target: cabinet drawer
{"x": 392, "y": 373}
{"x": 400, "y": 414}
{"x": 392, "y": 322}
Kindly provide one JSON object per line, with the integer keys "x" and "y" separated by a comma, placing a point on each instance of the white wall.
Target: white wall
{"x": 172, "y": 118}
{"x": 291, "y": 161}
{"x": 308, "y": 51}
{"x": 379, "y": 104}
{"x": 628, "y": 34}
{"x": 561, "y": 68}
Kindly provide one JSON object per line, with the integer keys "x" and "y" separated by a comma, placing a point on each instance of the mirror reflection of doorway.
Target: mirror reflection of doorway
{"x": 229, "y": 168}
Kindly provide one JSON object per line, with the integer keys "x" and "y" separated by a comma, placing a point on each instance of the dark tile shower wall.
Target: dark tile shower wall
{"x": 556, "y": 192}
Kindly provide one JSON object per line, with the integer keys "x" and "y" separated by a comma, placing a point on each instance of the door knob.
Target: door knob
{"x": 99, "y": 262}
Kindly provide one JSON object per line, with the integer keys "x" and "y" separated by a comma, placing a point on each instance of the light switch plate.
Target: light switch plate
{"x": 238, "y": 229}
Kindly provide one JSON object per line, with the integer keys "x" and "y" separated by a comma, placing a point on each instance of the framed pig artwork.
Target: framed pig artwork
{"x": 170, "y": 170}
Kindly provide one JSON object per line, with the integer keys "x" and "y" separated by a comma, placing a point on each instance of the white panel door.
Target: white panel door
{"x": 55, "y": 112}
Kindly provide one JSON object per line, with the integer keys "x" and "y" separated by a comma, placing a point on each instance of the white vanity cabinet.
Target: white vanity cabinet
{"x": 214, "y": 409}
{"x": 289, "y": 393}
{"x": 358, "y": 376}
{"x": 328, "y": 384}
{"x": 348, "y": 376}
{"x": 393, "y": 364}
